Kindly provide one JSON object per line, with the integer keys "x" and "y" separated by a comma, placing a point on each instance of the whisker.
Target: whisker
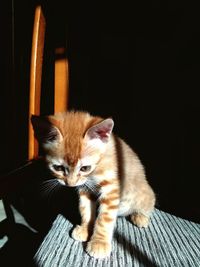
{"x": 52, "y": 181}
{"x": 48, "y": 188}
{"x": 49, "y": 182}
{"x": 52, "y": 192}
{"x": 90, "y": 186}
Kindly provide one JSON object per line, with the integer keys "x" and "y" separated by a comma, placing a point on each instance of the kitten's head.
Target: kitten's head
{"x": 73, "y": 143}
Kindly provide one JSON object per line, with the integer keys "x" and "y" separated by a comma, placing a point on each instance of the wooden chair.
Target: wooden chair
{"x": 12, "y": 181}
{"x": 61, "y": 77}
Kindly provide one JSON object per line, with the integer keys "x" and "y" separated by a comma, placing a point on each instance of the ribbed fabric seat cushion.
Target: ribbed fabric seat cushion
{"x": 168, "y": 241}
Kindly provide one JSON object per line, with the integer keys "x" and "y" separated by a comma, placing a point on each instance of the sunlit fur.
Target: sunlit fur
{"x": 115, "y": 175}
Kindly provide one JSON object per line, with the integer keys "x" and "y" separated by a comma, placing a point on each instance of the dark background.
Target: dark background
{"x": 138, "y": 63}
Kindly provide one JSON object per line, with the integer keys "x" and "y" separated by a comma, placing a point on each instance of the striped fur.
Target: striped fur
{"x": 82, "y": 151}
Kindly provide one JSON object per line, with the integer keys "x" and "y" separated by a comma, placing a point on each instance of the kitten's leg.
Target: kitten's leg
{"x": 100, "y": 243}
{"x": 143, "y": 208}
{"x": 87, "y": 208}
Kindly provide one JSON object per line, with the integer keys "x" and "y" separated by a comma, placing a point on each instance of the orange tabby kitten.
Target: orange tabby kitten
{"x": 82, "y": 151}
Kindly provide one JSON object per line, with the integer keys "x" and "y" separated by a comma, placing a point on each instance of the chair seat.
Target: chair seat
{"x": 168, "y": 241}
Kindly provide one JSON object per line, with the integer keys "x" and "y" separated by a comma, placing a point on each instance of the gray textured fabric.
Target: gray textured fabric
{"x": 168, "y": 241}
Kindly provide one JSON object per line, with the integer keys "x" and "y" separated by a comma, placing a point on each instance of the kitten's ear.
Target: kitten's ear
{"x": 44, "y": 130}
{"x": 101, "y": 130}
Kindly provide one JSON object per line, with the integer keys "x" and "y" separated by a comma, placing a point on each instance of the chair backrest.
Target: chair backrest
{"x": 61, "y": 77}
{"x": 12, "y": 181}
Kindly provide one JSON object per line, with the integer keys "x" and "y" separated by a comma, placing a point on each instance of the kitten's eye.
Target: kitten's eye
{"x": 58, "y": 168}
{"x": 85, "y": 168}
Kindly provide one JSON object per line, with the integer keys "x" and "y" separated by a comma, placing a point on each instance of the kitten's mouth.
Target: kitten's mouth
{"x": 62, "y": 182}
{"x": 71, "y": 184}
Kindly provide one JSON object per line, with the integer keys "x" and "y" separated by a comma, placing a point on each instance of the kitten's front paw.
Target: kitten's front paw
{"x": 80, "y": 233}
{"x": 140, "y": 220}
{"x": 98, "y": 249}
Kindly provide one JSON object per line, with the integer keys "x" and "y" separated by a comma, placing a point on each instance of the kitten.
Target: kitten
{"x": 82, "y": 151}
